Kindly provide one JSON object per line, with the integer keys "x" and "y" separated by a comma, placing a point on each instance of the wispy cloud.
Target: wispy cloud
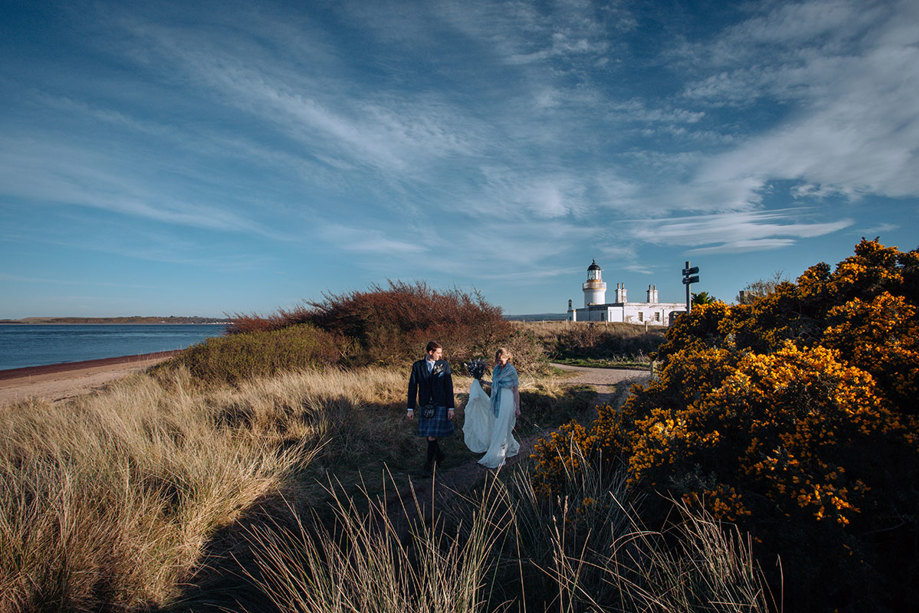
{"x": 394, "y": 134}
{"x": 854, "y": 125}
{"x": 879, "y": 229}
{"x": 52, "y": 173}
{"x": 733, "y": 232}
{"x": 370, "y": 241}
{"x": 494, "y": 140}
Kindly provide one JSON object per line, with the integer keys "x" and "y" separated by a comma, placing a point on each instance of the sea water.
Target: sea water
{"x": 36, "y": 345}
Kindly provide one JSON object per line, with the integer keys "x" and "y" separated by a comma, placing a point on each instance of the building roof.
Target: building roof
{"x": 594, "y": 266}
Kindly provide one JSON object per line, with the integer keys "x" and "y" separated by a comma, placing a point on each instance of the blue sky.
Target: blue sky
{"x": 196, "y": 158}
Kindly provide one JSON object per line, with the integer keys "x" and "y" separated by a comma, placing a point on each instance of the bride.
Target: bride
{"x": 490, "y": 421}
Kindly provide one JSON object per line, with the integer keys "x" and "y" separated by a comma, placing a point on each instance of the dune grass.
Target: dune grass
{"x": 507, "y": 548}
{"x": 108, "y": 500}
{"x": 112, "y": 500}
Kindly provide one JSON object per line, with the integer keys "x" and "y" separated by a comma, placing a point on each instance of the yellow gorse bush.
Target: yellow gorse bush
{"x": 794, "y": 416}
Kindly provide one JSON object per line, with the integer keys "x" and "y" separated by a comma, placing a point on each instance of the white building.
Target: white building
{"x": 596, "y": 308}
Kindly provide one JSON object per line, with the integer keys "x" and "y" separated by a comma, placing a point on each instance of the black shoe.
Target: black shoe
{"x": 428, "y": 469}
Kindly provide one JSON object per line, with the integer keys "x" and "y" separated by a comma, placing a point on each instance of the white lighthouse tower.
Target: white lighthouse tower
{"x": 594, "y": 288}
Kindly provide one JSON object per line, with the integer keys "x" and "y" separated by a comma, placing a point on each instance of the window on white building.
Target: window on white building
{"x": 657, "y": 316}
{"x": 641, "y": 316}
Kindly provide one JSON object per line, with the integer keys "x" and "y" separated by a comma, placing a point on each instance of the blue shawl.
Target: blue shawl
{"x": 502, "y": 378}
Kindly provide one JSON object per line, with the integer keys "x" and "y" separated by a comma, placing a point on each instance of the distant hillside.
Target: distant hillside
{"x": 134, "y": 319}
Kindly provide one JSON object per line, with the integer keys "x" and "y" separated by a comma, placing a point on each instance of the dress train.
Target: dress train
{"x": 479, "y": 419}
{"x": 483, "y": 432}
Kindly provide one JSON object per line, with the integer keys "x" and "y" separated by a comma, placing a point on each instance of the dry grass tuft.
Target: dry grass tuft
{"x": 508, "y": 548}
{"x": 108, "y": 500}
{"x": 363, "y": 563}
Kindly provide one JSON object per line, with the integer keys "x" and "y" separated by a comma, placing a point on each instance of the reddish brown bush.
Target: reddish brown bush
{"x": 391, "y": 325}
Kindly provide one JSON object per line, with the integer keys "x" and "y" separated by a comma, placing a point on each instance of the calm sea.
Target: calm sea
{"x": 24, "y": 345}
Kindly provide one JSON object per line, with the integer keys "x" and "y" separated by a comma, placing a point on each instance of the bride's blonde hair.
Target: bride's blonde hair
{"x": 502, "y": 351}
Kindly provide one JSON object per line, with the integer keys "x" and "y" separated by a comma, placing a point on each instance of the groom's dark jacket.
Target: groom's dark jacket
{"x": 437, "y": 386}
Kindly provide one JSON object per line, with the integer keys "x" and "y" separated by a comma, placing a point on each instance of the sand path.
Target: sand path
{"x": 62, "y": 381}
{"x": 604, "y": 380}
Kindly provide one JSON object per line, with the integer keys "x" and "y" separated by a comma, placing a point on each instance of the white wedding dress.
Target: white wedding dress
{"x": 485, "y": 433}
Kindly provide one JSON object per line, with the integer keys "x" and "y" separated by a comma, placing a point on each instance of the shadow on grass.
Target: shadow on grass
{"x": 356, "y": 461}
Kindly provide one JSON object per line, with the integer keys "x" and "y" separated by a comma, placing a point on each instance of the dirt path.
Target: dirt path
{"x": 604, "y": 380}
{"x": 447, "y": 484}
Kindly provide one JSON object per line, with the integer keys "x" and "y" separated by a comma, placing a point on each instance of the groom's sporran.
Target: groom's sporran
{"x": 429, "y": 409}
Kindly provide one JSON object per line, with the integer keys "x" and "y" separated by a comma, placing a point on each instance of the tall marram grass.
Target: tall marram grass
{"x": 509, "y": 548}
{"x": 107, "y": 501}
{"x": 364, "y": 563}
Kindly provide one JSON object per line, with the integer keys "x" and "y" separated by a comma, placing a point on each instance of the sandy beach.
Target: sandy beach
{"x": 62, "y": 381}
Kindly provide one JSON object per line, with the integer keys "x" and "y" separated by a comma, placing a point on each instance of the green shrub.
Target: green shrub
{"x": 234, "y": 358}
{"x": 594, "y": 340}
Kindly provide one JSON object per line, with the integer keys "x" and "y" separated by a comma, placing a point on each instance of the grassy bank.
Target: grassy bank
{"x": 602, "y": 363}
{"x": 603, "y": 341}
{"x": 107, "y": 500}
{"x": 110, "y": 500}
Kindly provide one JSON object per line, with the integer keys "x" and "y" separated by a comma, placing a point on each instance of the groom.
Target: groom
{"x": 430, "y": 384}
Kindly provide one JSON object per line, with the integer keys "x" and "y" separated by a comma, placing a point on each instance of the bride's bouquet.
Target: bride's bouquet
{"x": 476, "y": 368}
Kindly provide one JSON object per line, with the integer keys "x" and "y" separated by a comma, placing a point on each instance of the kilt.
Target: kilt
{"x": 438, "y": 425}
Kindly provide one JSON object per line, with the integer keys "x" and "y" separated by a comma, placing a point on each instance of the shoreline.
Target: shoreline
{"x": 68, "y": 379}
{"x": 61, "y": 367}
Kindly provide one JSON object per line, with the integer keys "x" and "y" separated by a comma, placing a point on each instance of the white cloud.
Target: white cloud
{"x": 336, "y": 117}
{"x": 54, "y": 173}
{"x": 637, "y": 110}
{"x": 642, "y": 269}
{"x": 732, "y": 232}
{"x": 744, "y": 246}
{"x": 365, "y": 240}
{"x": 854, "y": 124}
{"x": 879, "y": 229}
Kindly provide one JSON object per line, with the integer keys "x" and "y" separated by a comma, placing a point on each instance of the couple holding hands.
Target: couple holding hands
{"x": 490, "y": 419}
